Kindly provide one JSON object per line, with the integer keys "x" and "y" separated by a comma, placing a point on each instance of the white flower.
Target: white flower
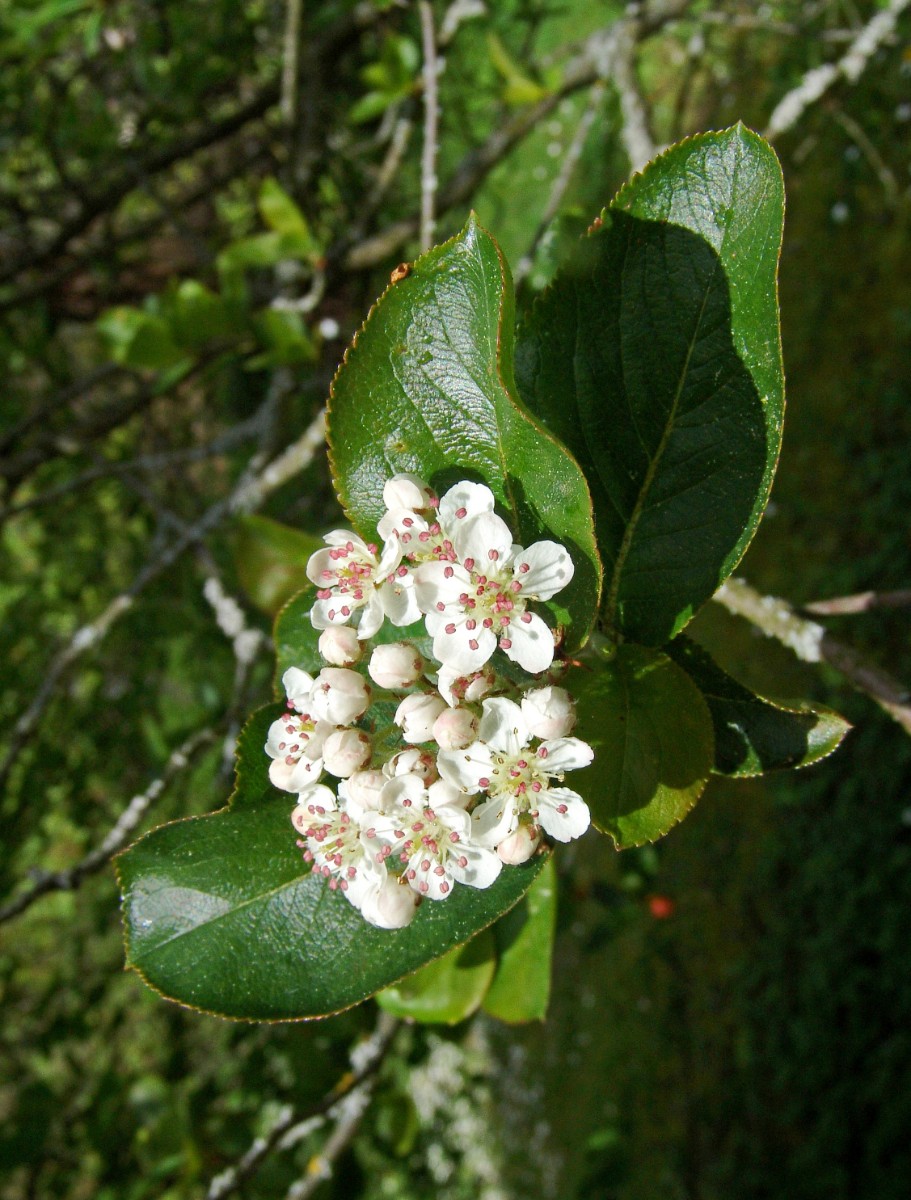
{"x": 416, "y": 714}
{"x": 479, "y": 601}
{"x": 340, "y": 851}
{"x": 312, "y": 805}
{"x": 354, "y": 585}
{"x": 346, "y": 751}
{"x": 295, "y": 741}
{"x": 455, "y": 728}
{"x": 339, "y": 645}
{"x": 433, "y": 839}
{"x": 424, "y": 524}
{"x": 395, "y": 666}
{"x": 455, "y": 687}
{"x": 340, "y": 696}
{"x": 517, "y": 777}
{"x": 549, "y": 712}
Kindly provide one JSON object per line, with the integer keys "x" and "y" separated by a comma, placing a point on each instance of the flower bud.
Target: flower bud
{"x": 346, "y": 751}
{"x": 520, "y": 845}
{"x": 395, "y": 666}
{"x": 391, "y": 906}
{"x": 407, "y": 491}
{"x": 340, "y": 645}
{"x": 455, "y": 728}
{"x": 340, "y": 696}
{"x": 298, "y": 686}
{"x": 362, "y": 791}
{"x": 416, "y": 714}
{"x": 549, "y": 712}
{"x": 412, "y": 762}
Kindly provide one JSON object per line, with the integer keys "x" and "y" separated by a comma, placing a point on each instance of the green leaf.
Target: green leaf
{"x": 271, "y": 561}
{"x": 525, "y": 940}
{"x": 280, "y": 212}
{"x": 752, "y": 734}
{"x": 264, "y": 250}
{"x": 428, "y": 387}
{"x": 285, "y": 337}
{"x": 139, "y": 339}
{"x": 295, "y": 638}
{"x": 448, "y": 990}
{"x": 655, "y": 356}
{"x": 652, "y": 735}
{"x": 222, "y": 914}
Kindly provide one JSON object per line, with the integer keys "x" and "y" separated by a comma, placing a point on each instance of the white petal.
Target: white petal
{"x": 484, "y": 540}
{"x": 549, "y": 569}
{"x": 503, "y": 726}
{"x": 479, "y": 871}
{"x": 567, "y": 824}
{"x": 390, "y": 558}
{"x": 465, "y": 768}
{"x": 531, "y": 643}
{"x": 473, "y": 498}
{"x": 440, "y": 583}
{"x": 549, "y": 711}
{"x": 463, "y": 649}
{"x": 370, "y": 617}
{"x": 443, "y": 794}
{"x": 399, "y": 600}
{"x": 320, "y": 569}
{"x": 319, "y": 613}
{"x": 494, "y": 820}
{"x": 565, "y": 754}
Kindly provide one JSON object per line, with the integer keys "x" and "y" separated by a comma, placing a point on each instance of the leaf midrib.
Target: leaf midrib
{"x": 654, "y": 463}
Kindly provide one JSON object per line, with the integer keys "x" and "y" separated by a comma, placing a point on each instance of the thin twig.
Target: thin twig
{"x": 254, "y": 486}
{"x": 119, "y": 835}
{"x": 850, "y": 66}
{"x": 142, "y": 464}
{"x": 634, "y": 131}
{"x": 812, "y": 643}
{"x": 289, "y": 1127}
{"x": 291, "y": 64}
{"x": 564, "y": 178}
{"x": 860, "y": 602}
{"x": 431, "y": 123}
{"x": 865, "y": 145}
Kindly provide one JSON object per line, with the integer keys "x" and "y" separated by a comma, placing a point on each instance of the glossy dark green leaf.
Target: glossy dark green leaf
{"x": 222, "y": 914}
{"x": 428, "y": 387}
{"x": 448, "y": 990}
{"x": 652, "y": 735}
{"x": 655, "y": 357}
{"x": 520, "y": 990}
{"x": 271, "y": 560}
{"x": 753, "y": 734}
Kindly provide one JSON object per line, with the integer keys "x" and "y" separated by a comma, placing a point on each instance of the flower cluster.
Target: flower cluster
{"x": 476, "y": 779}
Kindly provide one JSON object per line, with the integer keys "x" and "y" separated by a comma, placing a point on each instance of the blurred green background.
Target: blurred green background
{"x": 731, "y": 1014}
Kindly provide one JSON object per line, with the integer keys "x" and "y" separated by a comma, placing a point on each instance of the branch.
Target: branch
{"x": 119, "y": 835}
{"x": 431, "y": 122}
{"x": 850, "y": 66}
{"x": 634, "y": 131}
{"x": 860, "y": 602}
{"x": 354, "y": 1088}
{"x": 250, "y": 492}
{"x": 812, "y": 643}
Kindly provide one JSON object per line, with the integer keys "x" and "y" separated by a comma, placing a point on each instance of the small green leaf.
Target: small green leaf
{"x": 428, "y": 387}
{"x": 280, "y": 212}
{"x": 285, "y": 337}
{"x": 752, "y": 734}
{"x": 652, "y": 735}
{"x": 448, "y": 990}
{"x": 271, "y": 561}
{"x": 525, "y": 940}
{"x": 295, "y": 638}
{"x": 222, "y": 914}
{"x": 140, "y": 339}
{"x": 655, "y": 356}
